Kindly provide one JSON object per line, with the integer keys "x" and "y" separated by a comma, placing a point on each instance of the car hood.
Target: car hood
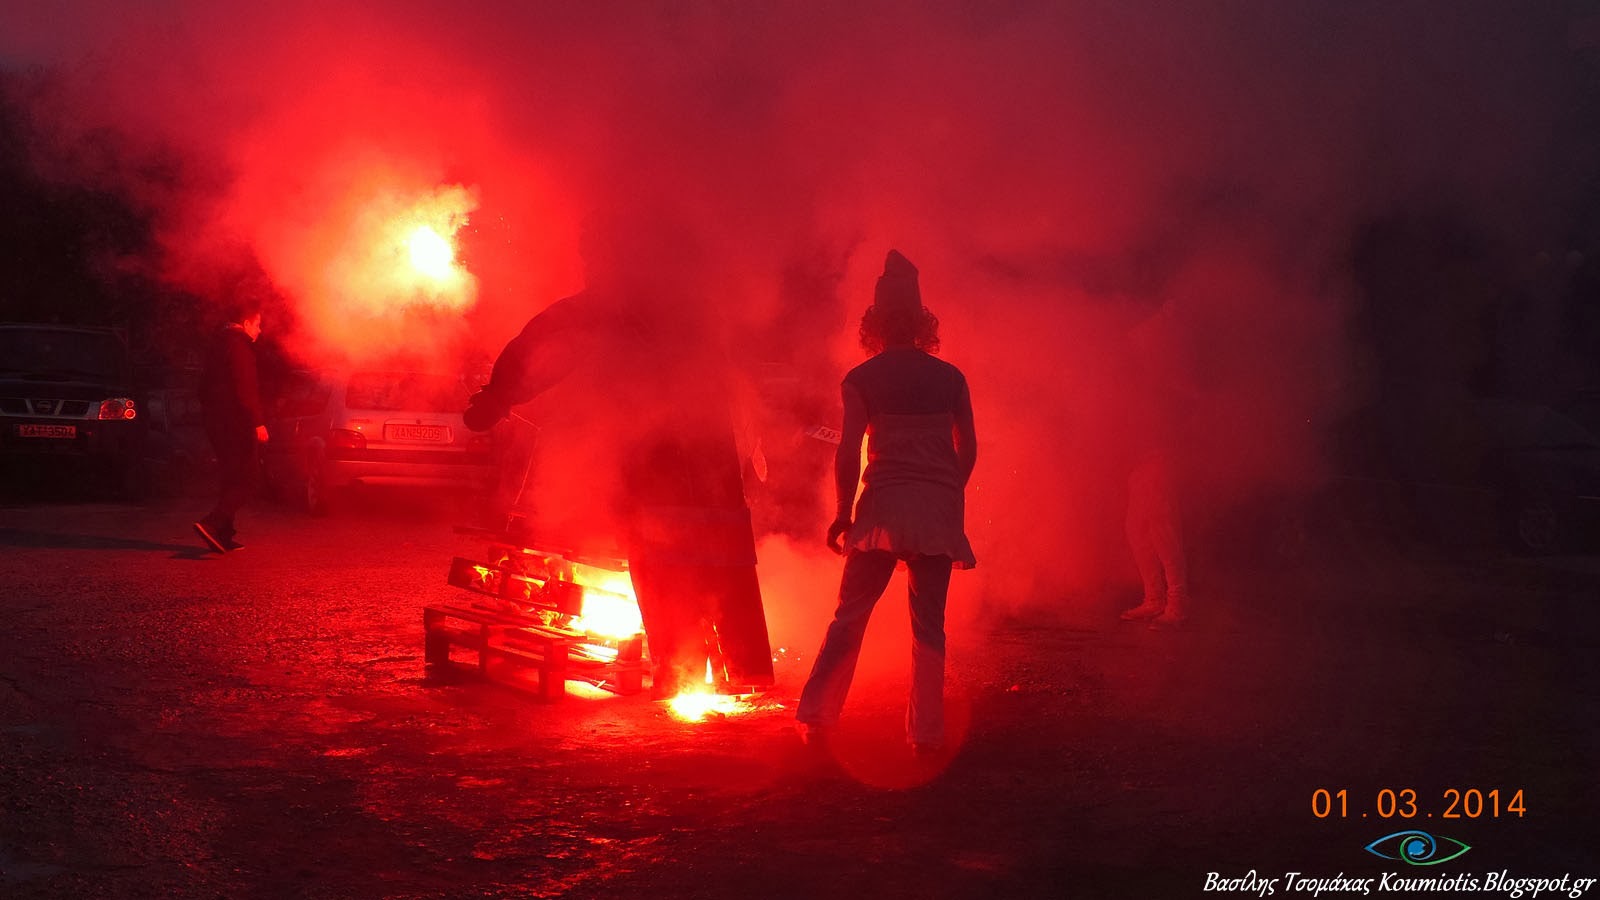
{"x": 54, "y": 389}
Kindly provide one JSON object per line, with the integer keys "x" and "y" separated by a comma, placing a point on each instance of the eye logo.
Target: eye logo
{"x": 1417, "y": 848}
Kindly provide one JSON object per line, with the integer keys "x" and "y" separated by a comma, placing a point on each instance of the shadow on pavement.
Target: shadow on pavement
{"x": 17, "y": 537}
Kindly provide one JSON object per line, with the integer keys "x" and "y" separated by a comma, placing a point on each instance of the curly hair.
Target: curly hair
{"x": 897, "y": 326}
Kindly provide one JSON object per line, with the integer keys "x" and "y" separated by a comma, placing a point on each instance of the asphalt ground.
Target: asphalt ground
{"x": 175, "y": 723}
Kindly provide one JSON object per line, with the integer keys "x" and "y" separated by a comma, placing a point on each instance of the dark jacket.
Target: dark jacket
{"x": 230, "y": 391}
{"x": 665, "y": 395}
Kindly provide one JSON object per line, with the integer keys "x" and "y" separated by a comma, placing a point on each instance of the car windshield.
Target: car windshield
{"x": 61, "y": 354}
{"x": 407, "y": 391}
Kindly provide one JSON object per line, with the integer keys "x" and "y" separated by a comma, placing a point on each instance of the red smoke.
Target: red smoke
{"x": 1086, "y": 187}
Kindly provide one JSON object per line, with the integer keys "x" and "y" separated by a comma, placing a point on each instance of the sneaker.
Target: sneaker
{"x": 210, "y": 539}
{"x": 230, "y": 545}
{"x": 1149, "y": 609}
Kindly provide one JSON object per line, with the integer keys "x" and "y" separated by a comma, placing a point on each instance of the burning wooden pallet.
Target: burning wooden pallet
{"x": 540, "y": 619}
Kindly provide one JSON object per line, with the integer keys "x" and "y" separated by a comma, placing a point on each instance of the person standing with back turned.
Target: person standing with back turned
{"x": 230, "y": 398}
{"x": 920, "y": 454}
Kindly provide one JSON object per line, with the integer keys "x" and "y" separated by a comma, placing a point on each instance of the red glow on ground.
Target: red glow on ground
{"x": 873, "y": 751}
{"x": 697, "y": 705}
{"x": 700, "y": 702}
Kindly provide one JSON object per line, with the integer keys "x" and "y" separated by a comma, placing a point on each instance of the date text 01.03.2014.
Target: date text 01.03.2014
{"x": 1406, "y": 803}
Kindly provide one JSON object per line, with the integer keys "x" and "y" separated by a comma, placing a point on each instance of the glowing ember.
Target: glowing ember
{"x": 431, "y": 254}
{"x": 694, "y": 706}
{"x": 700, "y": 701}
{"x": 610, "y": 608}
{"x": 611, "y": 613}
{"x": 607, "y": 614}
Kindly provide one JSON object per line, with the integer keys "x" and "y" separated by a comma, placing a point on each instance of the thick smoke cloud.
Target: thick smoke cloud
{"x": 1091, "y": 189}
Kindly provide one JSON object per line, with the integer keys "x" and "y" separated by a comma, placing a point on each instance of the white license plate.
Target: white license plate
{"x": 47, "y": 431}
{"x": 417, "y": 434}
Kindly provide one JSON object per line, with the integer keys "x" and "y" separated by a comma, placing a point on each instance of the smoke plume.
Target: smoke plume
{"x": 1090, "y": 189}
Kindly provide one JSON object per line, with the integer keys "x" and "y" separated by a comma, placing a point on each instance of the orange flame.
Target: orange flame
{"x": 696, "y": 703}
{"x": 611, "y": 611}
{"x": 610, "y": 607}
{"x": 695, "y": 706}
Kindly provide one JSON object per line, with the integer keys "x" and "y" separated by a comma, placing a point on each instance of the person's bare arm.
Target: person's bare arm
{"x": 847, "y": 465}
{"x": 966, "y": 436}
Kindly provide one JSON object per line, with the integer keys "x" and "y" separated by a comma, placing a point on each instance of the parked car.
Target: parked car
{"x": 67, "y": 396}
{"x": 330, "y": 431}
{"x": 177, "y": 452}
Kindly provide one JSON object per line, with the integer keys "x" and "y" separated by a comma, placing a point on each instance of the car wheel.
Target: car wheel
{"x": 314, "y": 491}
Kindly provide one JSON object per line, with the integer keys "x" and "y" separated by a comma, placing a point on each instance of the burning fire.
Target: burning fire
{"x": 694, "y": 705}
{"x": 610, "y": 608}
{"x": 611, "y": 613}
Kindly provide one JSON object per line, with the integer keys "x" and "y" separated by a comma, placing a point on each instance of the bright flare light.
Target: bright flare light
{"x": 431, "y": 254}
{"x": 694, "y": 704}
{"x": 607, "y": 614}
{"x": 610, "y": 608}
{"x": 398, "y": 251}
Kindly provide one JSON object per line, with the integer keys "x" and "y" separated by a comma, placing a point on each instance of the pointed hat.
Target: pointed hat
{"x": 897, "y": 286}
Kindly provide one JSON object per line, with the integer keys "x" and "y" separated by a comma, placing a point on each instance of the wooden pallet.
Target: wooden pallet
{"x": 523, "y": 652}
{"x": 510, "y": 583}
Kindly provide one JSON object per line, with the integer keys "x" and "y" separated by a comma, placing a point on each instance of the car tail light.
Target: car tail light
{"x": 117, "y": 408}
{"x": 345, "y": 439}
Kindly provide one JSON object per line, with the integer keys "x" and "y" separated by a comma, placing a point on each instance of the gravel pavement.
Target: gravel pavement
{"x": 179, "y": 724}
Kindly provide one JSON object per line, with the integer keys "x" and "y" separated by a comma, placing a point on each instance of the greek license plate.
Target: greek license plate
{"x": 47, "y": 431}
{"x": 417, "y": 434}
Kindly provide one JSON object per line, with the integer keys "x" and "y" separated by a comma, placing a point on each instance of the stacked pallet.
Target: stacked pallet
{"x": 521, "y": 625}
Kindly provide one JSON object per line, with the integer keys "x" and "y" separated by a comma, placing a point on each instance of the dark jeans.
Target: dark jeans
{"x": 238, "y": 464}
{"x": 695, "y": 614}
{"x": 866, "y": 574}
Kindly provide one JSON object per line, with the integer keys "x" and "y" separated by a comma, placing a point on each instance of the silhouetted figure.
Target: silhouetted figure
{"x": 1155, "y": 536}
{"x": 916, "y": 414}
{"x": 655, "y": 387}
{"x": 230, "y": 397}
{"x": 1154, "y": 524}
